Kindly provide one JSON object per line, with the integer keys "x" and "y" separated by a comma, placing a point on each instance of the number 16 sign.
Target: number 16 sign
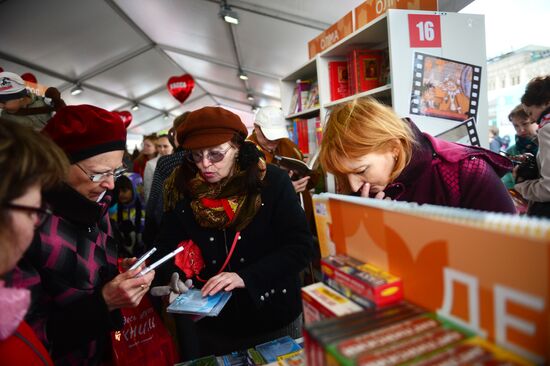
{"x": 424, "y": 30}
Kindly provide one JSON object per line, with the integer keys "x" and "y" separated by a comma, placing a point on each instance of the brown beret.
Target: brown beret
{"x": 208, "y": 127}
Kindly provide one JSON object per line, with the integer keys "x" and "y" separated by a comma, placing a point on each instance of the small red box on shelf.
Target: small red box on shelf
{"x": 338, "y": 77}
{"x": 364, "y": 67}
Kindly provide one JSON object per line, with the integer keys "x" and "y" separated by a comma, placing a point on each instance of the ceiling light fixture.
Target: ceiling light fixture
{"x": 229, "y": 15}
{"x": 165, "y": 116}
{"x": 242, "y": 75}
{"x": 250, "y": 97}
{"x": 135, "y": 107}
{"x": 76, "y": 90}
{"x": 255, "y": 108}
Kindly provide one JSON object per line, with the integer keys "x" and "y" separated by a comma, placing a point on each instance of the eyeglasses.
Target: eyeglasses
{"x": 212, "y": 156}
{"x": 42, "y": 213}
{"x": 98, "y": 177}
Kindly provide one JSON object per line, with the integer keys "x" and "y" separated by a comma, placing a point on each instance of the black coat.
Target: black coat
{"x": 269, "y": 255}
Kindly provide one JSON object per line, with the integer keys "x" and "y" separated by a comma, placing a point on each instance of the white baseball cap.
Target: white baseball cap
{"x": 12, "y": 86}
{"x": 272, "y": 122}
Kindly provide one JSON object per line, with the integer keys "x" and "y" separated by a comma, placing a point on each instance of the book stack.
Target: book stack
{"x": 363, "y": 282}
{"x": 305, "y": 96}
{"x": 398, "y": 334}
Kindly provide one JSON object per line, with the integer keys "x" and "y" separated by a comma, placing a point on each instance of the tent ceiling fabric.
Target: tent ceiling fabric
{"x": 124, "y": 51}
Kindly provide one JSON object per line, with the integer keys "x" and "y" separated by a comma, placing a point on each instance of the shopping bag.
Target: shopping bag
{"x": 144, "y": 340}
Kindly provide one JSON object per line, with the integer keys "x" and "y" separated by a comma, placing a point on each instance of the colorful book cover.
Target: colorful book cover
{"x": 303, "y": 87}
{"x": 192, "y": 302}
{"x": 320, "y": 302}
{"x": 278, "y": 347}
{"x": 338, "y": 78}
{"x": 364, "y": 68}
{"x": 292, "y": 359}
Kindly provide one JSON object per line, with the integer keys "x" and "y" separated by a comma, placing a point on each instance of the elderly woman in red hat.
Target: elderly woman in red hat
{"x": 71, "y": 266}
{"x": 245, "y": 221}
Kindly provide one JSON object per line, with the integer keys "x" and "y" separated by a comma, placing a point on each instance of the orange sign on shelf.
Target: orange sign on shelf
{"x": 372, "y": 9}
{"x": 488, "y": 273}
{"x": 331, "y": 35}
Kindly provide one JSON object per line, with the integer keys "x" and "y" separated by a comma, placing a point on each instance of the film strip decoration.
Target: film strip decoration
{"x": 467, "y": 128}
{"x": 444, "y": 88}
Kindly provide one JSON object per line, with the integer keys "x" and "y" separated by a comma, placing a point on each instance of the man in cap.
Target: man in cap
{"x": 71, "y": 266}
{"x": 271, "y": 136}
{"x": 21, "y": 106}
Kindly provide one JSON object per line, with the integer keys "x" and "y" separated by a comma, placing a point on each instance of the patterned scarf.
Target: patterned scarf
{"x": 224, "y": 204}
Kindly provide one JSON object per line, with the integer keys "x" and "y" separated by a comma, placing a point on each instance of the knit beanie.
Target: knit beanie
{"x": 83, "y": 131}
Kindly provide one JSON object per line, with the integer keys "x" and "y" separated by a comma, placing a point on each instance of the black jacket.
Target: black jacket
{"x": 271, "y": 252}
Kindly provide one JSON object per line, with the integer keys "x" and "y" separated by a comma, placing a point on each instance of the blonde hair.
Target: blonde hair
{"x": 359, "y": 127}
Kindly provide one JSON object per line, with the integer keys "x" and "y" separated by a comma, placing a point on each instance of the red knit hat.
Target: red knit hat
{"x": 209, "y": 126}
{"x": 83, "y": 131}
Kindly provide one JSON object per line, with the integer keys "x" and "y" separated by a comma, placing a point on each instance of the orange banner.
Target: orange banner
{"x": 331, "y": 35}
{"x": 372, "y": 9}
{"x": 490, "y": 276}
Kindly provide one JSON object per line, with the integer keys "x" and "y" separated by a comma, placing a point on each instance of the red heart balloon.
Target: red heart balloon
{"x": 125, "y": 116}
{"x": 181, "y": 86}
{"x": 29, "y": 77}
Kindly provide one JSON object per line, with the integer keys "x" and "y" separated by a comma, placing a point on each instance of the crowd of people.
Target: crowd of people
{"x": 76, "y": 211}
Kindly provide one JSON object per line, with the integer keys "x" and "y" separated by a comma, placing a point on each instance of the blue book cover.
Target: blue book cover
{"x": 278, "y": 347}
{"x": 192, "y": 302}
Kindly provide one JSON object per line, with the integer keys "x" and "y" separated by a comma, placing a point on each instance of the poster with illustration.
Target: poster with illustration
{"x": 444, "y": 88}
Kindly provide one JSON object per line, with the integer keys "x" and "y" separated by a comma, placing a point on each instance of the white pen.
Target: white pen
{"x": 159, "y": 262}
{"x": 142, "y": 258}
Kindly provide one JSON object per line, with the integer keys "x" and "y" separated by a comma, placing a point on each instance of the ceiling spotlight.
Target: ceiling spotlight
{"x": 255, "y": 108}
{"x": 229, "y": 15}
{"x": 76, "y": 90}
{"x": 135, "y": 107}
{"x": 242, "y": 75}
{"x": 165, "y": 116}
{"x": 250, "y": 97}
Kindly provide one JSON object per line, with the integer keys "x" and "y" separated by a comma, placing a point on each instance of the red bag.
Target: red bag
{"x": 144, "y": 340}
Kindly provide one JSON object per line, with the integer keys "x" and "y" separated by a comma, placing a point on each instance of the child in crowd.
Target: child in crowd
{"x": 128, "y": 215}
{"x": 526, "y": 139}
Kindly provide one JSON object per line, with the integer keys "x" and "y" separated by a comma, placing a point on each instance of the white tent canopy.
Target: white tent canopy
{"x": 122, "y": 52}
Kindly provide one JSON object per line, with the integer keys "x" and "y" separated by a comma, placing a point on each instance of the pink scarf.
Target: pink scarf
{"x": 14, "y": 303}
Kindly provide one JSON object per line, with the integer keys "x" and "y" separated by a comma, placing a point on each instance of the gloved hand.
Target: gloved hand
{"x": 174, "y": 288}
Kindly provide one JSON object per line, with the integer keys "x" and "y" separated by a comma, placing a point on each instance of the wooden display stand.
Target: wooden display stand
{"x": 449, "y": 36}
{"x": 488, "y": 272}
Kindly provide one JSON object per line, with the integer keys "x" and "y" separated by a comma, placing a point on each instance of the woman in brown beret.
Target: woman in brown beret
{"x": 250, "y": 229}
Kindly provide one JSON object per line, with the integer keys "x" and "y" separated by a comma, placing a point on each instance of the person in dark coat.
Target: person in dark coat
{"x": 29, "y": 163}
{"x": 71, "y": 266}
{"x": 250, "y": 229}
{"x": 373, "y": 153}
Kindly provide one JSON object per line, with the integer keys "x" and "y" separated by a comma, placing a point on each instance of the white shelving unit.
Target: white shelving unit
{"x": 462, "y": 40}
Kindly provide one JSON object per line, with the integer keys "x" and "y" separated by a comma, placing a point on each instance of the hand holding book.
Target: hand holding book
{"x": 299, "y": 168}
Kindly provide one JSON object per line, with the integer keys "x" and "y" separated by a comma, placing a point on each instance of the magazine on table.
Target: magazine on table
{"x": 192, "y": 302}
